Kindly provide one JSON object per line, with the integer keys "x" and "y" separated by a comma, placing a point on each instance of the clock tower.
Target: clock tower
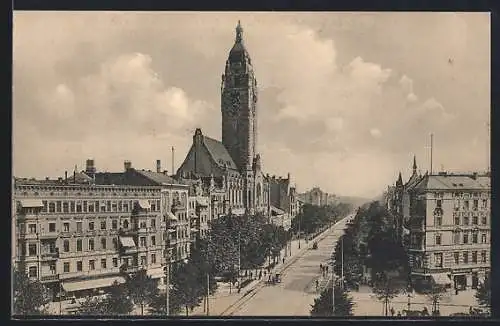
{"x": 239, "y": 104}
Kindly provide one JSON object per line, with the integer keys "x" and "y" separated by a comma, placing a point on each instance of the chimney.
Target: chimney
{"x": 165, "y": 172}
{"x": 158, "y": 166}
{"x": 127, "y": 165}
{"x": 66, "y": 176}
{"x": 60, "y": 179}
{"x": 89, "y": 167}
{"x": 288, "y": 176}
{"x": 47, "y": 178}
{"x": 474, "y": 175}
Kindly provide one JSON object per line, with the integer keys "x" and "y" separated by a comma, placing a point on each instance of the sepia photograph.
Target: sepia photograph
{"x": 264, "y": 164}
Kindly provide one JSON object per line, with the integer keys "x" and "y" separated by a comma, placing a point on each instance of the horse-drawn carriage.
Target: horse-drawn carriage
{"x": 274, "y": 278}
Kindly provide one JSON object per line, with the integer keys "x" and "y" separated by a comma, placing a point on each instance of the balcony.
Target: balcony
{"x": 127, "y": 232}
{"x": 49, "y": 278}
{"x": 49, "y": 235}
{"x": 50, "y": 255}
{"x": 128, "y": 250}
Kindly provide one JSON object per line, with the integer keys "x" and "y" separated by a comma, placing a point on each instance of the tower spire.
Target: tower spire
{"x": 239, "y": 32}
{"x": 414, "y": 164}
{"x": 400, "y": 180}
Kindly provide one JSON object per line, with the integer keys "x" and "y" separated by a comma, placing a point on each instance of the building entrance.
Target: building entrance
{"x": 460, "y": 282}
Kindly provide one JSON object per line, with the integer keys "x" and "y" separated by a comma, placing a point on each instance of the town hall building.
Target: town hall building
{"x": 234, "y": 161}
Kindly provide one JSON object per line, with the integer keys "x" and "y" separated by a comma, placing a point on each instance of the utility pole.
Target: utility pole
{"x": 333, "y": 288}
{"x": 173, "y": 172}
{"x": 342, "y": 261}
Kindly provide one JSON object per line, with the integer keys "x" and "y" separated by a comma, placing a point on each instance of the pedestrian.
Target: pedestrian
{"x": 317, "y": 285}
{"x": 327, "y": 269}
{"x": 399, "y": 313}
{"x": 246, "y": 273}
{"x": 392, "y": 311}
{"x": 283, "y": 260}
{"x": 251, "y": 275}
{"x": 260, "y": 275}
{"x": 321, "y": 267}
{"x": 265, "y": 273}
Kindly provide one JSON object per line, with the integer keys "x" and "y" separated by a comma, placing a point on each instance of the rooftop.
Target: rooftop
{"x": 448, "y": 181}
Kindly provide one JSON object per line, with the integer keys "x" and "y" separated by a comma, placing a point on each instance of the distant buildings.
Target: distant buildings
{"x": 317, "y": 197}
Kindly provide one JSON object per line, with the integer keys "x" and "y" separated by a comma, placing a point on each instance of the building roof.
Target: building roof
{"x": 219, "y": 153}
{"x": 157, "y": 177}
{"x": 454, "y": 182}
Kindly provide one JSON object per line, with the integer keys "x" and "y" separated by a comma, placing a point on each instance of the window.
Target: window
{"x": 58, "y": 206}
{"x": 91, "y": 226}
{"x": 66, "y": 267}
{"x": 66, "y": 245}
{"x": 466, "y": 220}
{"x": 44, "y": 209}
{"x": 33, "y": 271}
{"x": 466, "y": 205}
{"x": 483, "y": 256}
{"x": 79, "y": 266}
{"x": 456, "y": 204}
{"x": 91, "y": 244}
{"x": 91, "y": 207}
{"x": 125, "y": 224}
{"x": 456, "y": 257}
{"x": 78, "y": 207}
{"x": 143, "y": 260}
{"x": 483, "y": 238}
{"x": 438, "y": 239}
{"x": 125, "y": 207}
{"x": 115, "y": 243}
{"x": 103, "y": 225}
{"x": 72, "y": 206}
{"x": 79, "y": 245}
{"x": 65, "y": 207}
{"x": 439, "y": 203}
{"x": 153, "y": 240}
{"x": 143, "y": 225}
{"x": 466, "y": 257}
{"x": 120, "y": 206}
{"x": 66, "y": 227}
{"x": 52, "y": 207}
{"x": 103, "y": 263}
{"x": 143, "y": 241}
{"x": 474, "y": 257}
{"x": 114, "y": 224}
{"x": 475, "y": 204}
{"x": 153, "y": 223}
{"x": 108, "y": 205}
{"x": 32, "y": 228}
{"x": 483, "y": 220}
{"x": 474, "y": 237}
{"x": 474, "y": 220}
{"x": 96, "y": 203}
{"x": 91, "y": 265}
{"x": 79, "y": 226}
{"x": 85, "y": 206}
{"x": 457, "y": 219}
{"x": 466, "y": 238}
{"x": 103, "y": 243}
{"x": 115, "y": 262}
{"x": 485, "y": 203}
{"x": 153, "y": 258}
{"x": 52, "y": 227}
{"x": 114, "y": 207}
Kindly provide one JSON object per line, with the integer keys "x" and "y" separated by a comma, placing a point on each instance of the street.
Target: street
{"x": 296, "y": 292}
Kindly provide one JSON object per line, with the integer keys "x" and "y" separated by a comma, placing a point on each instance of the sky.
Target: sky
{"x": 345, "y": 99}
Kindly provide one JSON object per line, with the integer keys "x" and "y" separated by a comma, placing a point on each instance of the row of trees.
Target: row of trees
{"x": 311, "y": 218}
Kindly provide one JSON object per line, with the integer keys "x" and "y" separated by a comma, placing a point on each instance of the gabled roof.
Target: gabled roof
{"x": 219, "y": 153}
{"x": 454, "y": 182}
{"x": 156, "y": 177}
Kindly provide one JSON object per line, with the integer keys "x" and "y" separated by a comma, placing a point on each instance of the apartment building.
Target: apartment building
{"x": 450, "y": 229}
{"x": 80, "y": 234}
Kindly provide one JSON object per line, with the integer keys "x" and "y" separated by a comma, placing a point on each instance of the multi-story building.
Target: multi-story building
{"x": 199, "y": 209}
{"x": 317, "y": 197}
{"x": 282, "y": 200}
{"x": 82, "y": 233}
{"x": 450, "y": 229}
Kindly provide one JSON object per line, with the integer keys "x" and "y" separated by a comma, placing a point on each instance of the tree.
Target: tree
{"x": 483, "y": 293}
{"x": 30, "y": 296}
{"x": 93, "y": 306}
{"x": 434, "y": 295}
{"x": 159, "y": 302}
{"x": 118, "y": 300}
{"x": 142, "y": 289}
{"x": 352, "y": 265}
{"x": 385, "y": 289}
{"x": 322, "y": 306}
{"x": 185, "y": 287}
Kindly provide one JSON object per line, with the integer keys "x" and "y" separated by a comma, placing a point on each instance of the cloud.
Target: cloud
{"x": 117, "y": 86}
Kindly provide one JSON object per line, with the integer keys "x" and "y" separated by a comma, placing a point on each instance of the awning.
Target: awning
{"x": 441, "y": 278}
{"x": 155, "y": 272}
{"x": 202, "y": 201}
{"x": 172, "y": 217}
{"x": 127, "y": 241}
{"x": 144, "y": 204}
{"x": 277, "y": 211}
{"x": 91, "y": 284}
{"x": 31, "y": 203}
{"x": 194, "y": 230}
